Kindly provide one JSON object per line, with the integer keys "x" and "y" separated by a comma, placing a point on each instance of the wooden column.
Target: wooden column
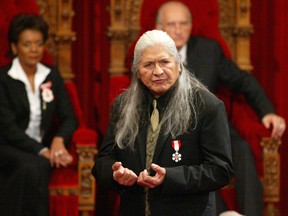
{"x": 242, "y": 31}
{"x": 124, "y": 16}
{"x": 236, "y": 28}
{"x": 59, "y": 14}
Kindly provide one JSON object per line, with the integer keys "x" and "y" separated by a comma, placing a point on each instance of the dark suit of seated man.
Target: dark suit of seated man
{"x": 205, "y": 59}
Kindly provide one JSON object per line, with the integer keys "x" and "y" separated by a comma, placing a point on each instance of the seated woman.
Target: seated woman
{"x": 32, "y": 94}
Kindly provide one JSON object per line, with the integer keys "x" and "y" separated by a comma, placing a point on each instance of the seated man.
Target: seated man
{"x": 205, "y": 59}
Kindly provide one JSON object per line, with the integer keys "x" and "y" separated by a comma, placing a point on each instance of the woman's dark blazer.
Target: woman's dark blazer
{"x": 205, "y": 167}
{"x": 14, "y": 113}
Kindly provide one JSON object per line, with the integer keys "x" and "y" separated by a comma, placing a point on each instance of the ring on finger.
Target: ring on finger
{"x": 58, "y": 153}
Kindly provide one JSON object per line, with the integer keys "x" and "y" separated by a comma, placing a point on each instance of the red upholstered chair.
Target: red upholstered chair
{"x": 72, "y": 189}
{"x": 234, "y": 36}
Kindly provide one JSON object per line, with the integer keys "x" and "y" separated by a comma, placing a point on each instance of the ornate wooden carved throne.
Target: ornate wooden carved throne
{"x": 235, "y": 28}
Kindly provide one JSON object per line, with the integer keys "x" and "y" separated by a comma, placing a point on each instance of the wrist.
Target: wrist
{"x": 43, "y": 150}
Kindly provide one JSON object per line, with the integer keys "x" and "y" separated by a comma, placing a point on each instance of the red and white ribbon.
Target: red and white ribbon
{"x": 176, "y": 145}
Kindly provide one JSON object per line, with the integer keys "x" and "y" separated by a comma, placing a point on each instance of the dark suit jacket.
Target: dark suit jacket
{"x": 205, "y": 166}
{"x": 206, "y": 60}
{"x": 14, "y": 112}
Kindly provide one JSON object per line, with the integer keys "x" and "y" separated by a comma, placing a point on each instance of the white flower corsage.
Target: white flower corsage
{"x": 47, "y": 94}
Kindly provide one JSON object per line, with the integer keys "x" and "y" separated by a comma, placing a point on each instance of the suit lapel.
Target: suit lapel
{"x": 20, "y": 92}
{"x": 192, "y": 57}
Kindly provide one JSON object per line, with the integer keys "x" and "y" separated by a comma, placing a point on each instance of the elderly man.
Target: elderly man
{"x": 167, "y": 148}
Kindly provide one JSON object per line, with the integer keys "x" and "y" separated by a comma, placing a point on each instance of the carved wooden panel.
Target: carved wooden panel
{"x": 59, "y": 14}
{"x": 271, "y": 181}
{"x": 226, "y": 22}
{"x": 87, "y": 184}
{"x": 124, "y": 28}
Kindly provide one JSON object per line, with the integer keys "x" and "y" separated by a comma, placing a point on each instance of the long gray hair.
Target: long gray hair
{"x": 181, "y": 111}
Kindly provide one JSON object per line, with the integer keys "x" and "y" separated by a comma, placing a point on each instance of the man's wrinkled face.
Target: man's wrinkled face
{"x": 176, "y": 21}
{"x": 158, "y": 70}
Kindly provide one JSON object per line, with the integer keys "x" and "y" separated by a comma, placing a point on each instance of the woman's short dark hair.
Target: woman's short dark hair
{"x": 23, "y": 22}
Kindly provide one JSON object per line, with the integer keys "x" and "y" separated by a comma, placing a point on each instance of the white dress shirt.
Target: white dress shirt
{"x": 183, "y": 54}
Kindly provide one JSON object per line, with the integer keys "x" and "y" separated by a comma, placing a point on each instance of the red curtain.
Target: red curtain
{"x": 90, "y": 60}
{"x": 269, "y": 58}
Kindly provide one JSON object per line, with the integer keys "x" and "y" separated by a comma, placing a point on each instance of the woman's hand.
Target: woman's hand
{"x": 123, "y": 175}
{"x": 146, "y": 180}
{"x": 59, "y": 156}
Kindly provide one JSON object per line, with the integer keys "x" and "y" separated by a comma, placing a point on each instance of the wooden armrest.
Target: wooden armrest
{"x": 85, "y": 141}
{"x": 87, "y": 184}
{"x": 271, "y": 178}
